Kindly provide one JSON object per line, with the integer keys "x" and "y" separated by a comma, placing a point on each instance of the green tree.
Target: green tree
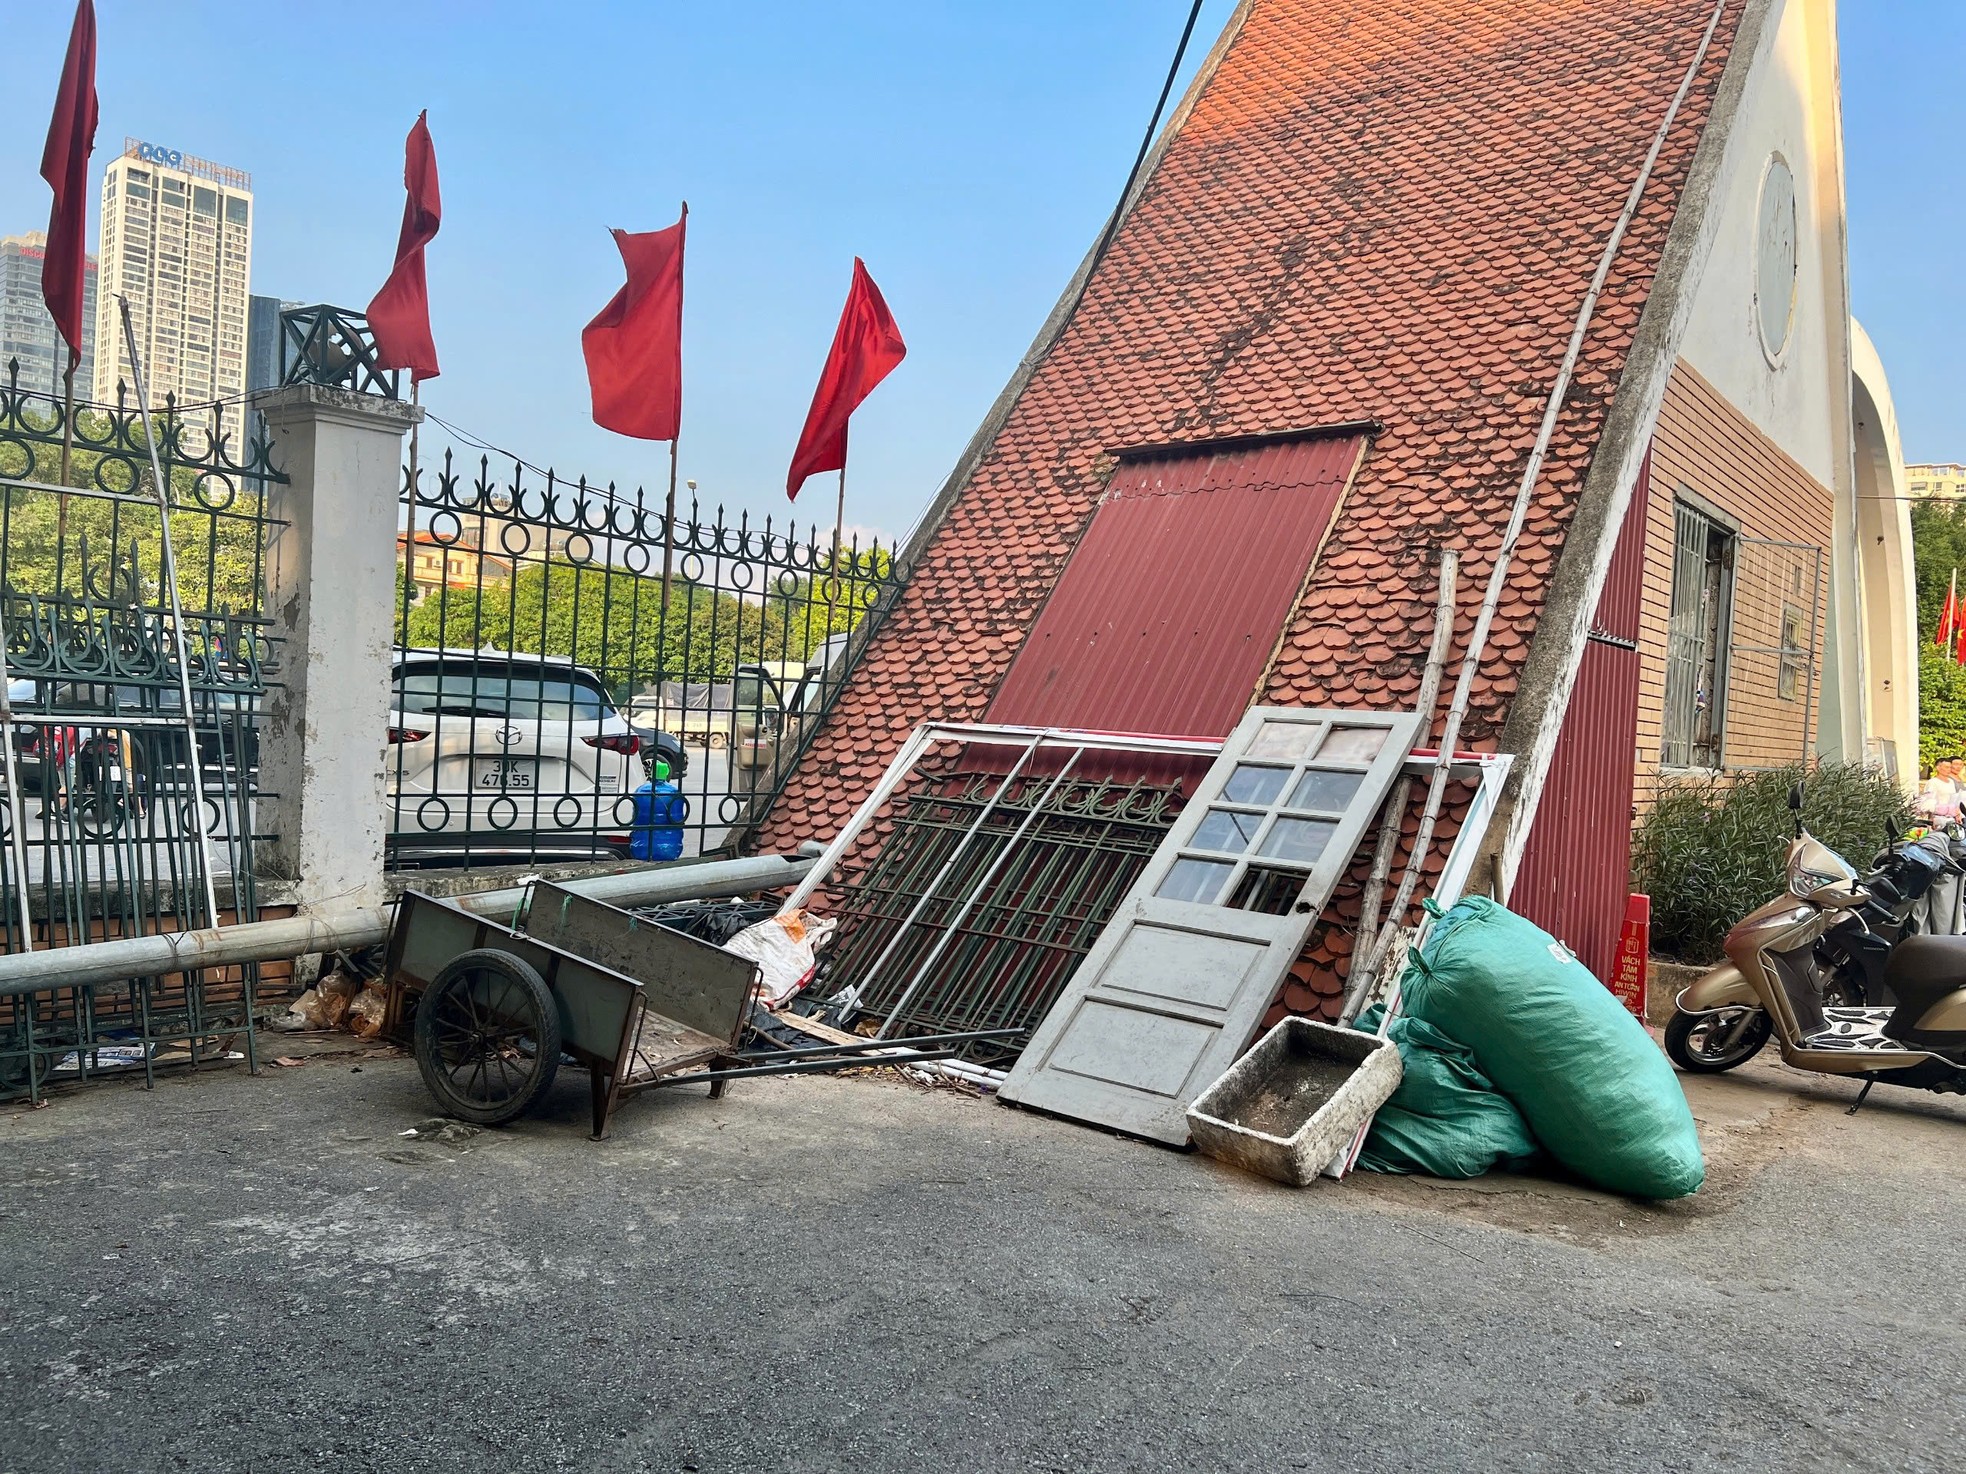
{"x": 811, "y": 610}
{"x": 217, "y": 553}
{"x": 610, "y": 620}
{"x": 1941, "y": 706}
{"x": 607, "y": 619}
{"x": 1938, "y": 541}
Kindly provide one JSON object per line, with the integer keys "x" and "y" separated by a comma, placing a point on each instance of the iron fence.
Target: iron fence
{"x": 103, "y": 832}
{"x": 544, "y": 663}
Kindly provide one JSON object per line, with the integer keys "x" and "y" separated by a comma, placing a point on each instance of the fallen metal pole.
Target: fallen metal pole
{"x": 803, "y": 1067}
{"x": 299, "y": 936}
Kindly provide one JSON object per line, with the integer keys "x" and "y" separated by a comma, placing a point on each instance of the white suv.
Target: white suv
{"x": 505, "y": 757}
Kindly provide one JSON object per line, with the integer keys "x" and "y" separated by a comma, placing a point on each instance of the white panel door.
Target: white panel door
{"x": 1175, "y": 987}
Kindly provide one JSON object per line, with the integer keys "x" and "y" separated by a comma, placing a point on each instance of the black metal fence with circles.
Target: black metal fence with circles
{"x": 103, "y": 832}
{"x": 544, "y": 663}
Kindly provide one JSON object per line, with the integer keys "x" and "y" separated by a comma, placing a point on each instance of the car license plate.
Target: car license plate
{"x": 506, "y": 772}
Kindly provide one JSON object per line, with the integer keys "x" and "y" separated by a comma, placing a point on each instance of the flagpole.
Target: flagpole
{"x": 839, "y": 522}
{"x": 67, "y": 452}
{"x": 407, "y": 593}
{"x": 668, "y": 562}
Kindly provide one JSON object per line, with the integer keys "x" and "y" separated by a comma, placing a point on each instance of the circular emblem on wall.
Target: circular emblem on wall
{"x": 1775, "y": 259}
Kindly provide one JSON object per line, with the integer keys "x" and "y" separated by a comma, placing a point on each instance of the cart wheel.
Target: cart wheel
{"x": 487, "y": 1037}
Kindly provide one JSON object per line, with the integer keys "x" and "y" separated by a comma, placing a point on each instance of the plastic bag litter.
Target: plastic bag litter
{"x": 1595, "y": 1089}
{"x": 1447, "y": 1119}
{"x": 310, "y": 1011}
{"x": 367, "y": 1011}
{"x": 786, "y": 950}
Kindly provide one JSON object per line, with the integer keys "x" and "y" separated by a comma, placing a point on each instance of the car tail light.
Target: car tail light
{"x": 626, "y": 742}
{"x": 405, "y": 734}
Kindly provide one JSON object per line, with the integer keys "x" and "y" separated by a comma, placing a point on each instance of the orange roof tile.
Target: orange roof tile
{"x": 1372, "y": 212}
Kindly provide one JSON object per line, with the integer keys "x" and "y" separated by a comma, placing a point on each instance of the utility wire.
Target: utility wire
{"x": 1146, "y": 144}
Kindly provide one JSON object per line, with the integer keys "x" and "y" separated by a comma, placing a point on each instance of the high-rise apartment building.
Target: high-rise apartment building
{"x": 1943, "y": 482}
{"x": 177, "y": 236}
{"x": 27, "y": 332}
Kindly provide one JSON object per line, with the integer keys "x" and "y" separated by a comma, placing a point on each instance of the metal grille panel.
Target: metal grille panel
{"x": 1031, "y": 924}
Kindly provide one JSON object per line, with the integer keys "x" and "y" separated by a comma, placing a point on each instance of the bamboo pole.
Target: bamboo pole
{"x": 168, "y": 559}
{"x": 1392, "y": 820}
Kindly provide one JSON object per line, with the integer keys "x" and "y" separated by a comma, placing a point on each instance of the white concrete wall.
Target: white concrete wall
{"x": 1889, "y": 585}
{"x": 1802, "y": 400}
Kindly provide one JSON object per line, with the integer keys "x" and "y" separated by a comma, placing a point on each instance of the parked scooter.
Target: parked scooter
{"x": 1776, "y": 975}
{"x": 1911, "y": 888}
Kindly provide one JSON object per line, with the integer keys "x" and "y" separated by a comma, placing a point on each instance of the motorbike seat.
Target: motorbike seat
{"x": 1922, "y": 970}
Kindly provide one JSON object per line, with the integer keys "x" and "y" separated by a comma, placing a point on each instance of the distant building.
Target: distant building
{"x": 458, "y": 565}
{"x": 27, "y": 332}
{"x": 177, "y": 241}
{"x": 263, "y": 352}
{"x": 1946, "y": 482}
{"x": 263, "y": 341}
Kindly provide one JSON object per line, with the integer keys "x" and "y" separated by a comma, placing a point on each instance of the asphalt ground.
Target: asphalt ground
{"x": 826, "y": 1274}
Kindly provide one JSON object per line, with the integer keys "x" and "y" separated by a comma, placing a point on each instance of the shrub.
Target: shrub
{"x": 1710, "y": 852}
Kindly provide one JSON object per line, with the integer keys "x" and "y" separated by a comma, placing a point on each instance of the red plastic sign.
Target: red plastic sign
{"x": 1628, "y": 976}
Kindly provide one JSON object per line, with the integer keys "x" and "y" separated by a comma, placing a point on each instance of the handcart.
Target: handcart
{"x": 489, "y": 1010}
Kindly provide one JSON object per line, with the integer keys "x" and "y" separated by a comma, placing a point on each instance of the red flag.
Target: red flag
{"x": 65, "y": 165}
{"x": 1949, "y": 615}
{"x": 866, "y": 347}
{"x": 399, "y": 316}
{"x": 634, "y": 345}
{"x": 1959, "y": 647}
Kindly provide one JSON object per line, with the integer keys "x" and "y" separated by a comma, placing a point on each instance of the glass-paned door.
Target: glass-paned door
{"x": 1176, "y": 985}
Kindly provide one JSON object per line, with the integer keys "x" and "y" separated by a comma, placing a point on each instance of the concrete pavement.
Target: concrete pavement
{"x": 824, "y": 1274}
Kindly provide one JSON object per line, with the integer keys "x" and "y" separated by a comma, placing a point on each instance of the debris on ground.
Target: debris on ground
{"x": 786, "y": 949}
{"x": 323, "y": 1006}
{"x": 443, "y": 1131}
{"x": 368, "y": 1011}
{"x": 1294, "y": 1103}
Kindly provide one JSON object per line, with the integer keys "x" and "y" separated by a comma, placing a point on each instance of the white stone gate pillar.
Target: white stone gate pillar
{"x": 331, "y": 594}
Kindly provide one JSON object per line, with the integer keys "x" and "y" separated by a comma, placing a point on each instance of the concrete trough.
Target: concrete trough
{"x": 1293, "y": 1103}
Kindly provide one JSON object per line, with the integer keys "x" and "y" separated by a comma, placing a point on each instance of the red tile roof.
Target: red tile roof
{"x": 1374, "y": 211}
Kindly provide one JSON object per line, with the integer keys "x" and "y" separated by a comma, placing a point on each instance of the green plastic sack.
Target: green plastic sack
{"x": 1595, "y": 1089}
{"x": 1446, "y": 1119}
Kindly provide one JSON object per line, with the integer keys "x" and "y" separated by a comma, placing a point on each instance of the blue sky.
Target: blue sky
{"x": 969, "y": 152}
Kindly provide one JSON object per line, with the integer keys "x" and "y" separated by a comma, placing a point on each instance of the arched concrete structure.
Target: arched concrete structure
{"x": 1888, "y": 586}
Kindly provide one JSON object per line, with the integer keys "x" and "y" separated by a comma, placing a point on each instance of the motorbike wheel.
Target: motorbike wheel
{"x": 1843, "y": 990}
{"x": 1707, "y": 1043}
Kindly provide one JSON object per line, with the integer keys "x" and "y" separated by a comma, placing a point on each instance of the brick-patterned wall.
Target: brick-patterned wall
{"x": 1705, "y": 445}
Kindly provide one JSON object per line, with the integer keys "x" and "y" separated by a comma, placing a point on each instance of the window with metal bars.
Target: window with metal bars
{"x": 1697, "y": 637}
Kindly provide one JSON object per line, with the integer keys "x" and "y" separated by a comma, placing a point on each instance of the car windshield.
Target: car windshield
{"x": 517, "y": 693}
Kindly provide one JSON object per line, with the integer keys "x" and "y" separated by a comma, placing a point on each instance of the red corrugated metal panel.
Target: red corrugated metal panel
{"x": 1576, "y": 870}
{"x": 1176, "y": 595}
{"x": 1624, "y": 583}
